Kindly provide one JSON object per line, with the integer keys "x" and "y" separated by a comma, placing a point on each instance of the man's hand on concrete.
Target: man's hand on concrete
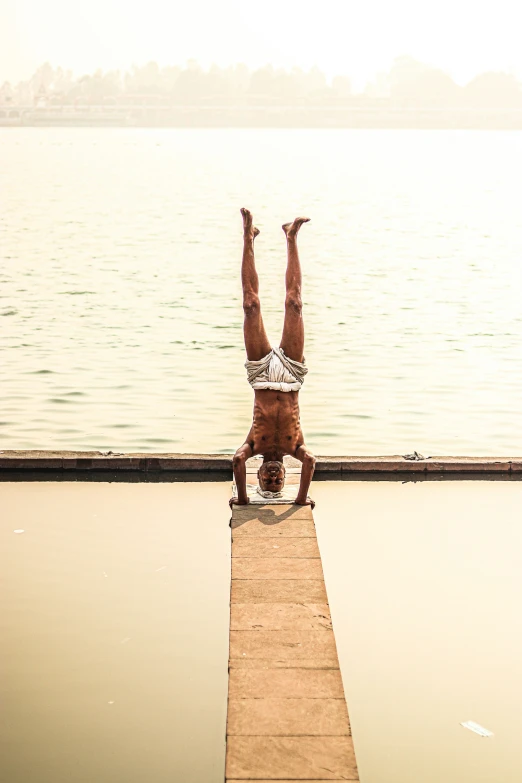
{"x": 237, "y": 502}
{"x": 307, "y": 502}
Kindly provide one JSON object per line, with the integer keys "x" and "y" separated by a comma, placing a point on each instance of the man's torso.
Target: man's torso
{"x": 276, "y": 428}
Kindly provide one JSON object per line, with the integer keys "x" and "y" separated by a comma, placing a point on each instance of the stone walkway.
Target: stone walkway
{"x": 287, "y": 717}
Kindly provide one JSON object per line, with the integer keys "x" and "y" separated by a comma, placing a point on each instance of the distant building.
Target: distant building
{"x": 6, "y": 94}
{"x": 40, "y": 98}
{"x": 379, "y": 87}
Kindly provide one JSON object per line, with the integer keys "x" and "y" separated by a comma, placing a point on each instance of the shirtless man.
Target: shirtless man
{"x": 276, "y": 375}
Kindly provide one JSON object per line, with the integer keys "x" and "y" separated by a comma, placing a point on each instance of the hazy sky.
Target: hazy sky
{"x": 464, "y": 37}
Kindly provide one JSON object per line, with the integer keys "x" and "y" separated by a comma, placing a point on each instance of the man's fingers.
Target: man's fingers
{"x": 307, "y": 502}
{"x": 235, "y": 502}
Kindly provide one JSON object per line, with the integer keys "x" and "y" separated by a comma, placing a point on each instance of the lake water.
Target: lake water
{"x": 120, "y": 308}
{"x": 424, "y": 582}
{"x": 114, "y": 627}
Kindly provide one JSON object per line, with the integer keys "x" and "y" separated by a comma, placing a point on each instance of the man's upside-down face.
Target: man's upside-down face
{"x": 271, "y": 476}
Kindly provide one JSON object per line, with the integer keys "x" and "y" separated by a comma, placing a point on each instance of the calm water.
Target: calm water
{"x": 120, "y": 307}
{"x": 424, "y": 583}
{"x": 114, "y": 627}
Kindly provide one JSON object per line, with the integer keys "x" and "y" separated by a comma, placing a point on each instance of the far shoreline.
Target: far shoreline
{"x": 260, "y": 117}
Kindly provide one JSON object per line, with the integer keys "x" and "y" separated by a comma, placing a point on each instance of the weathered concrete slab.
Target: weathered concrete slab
{"x": 109, "y": 460}
{"x": 260, "y": 527}
{"x": 393, "y": 464}
{"x": 467, "y": 465}
{"x": 276, "y": 568}
{"x": 308, "y": 591}
{"x": 270, "y": 515}
{"x": 287, "y": 716}
{"x": 279, "y": 617}
{"x": 249, "y": 546}
{"x": 284, "y": 645}
{"x": 299, "y": 717}
{"x": 300, "y": 758}
{"x": 286, "y": 663}
{"x": 398, "y": 464}
{"x": 285, "y": 684}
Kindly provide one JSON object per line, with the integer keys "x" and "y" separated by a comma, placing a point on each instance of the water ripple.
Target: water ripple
{"x": 412, "y": 312}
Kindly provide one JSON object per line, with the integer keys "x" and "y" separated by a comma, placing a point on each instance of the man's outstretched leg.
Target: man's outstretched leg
{"x": 256, "y": 341}
{"x": 292, "y": 341}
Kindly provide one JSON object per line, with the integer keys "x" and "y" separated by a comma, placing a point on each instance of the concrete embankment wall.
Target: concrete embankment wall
{"x": 327, "y": 467}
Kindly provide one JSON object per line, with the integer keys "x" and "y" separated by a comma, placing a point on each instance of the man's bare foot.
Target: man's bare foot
{"x": 249, "y": 230}
{"x": 291, "y": 229}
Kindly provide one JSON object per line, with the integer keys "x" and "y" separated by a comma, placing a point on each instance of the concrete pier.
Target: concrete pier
{"x": 287, "y": 715}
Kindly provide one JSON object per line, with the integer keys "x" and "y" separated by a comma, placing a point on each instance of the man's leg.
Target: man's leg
{"x": 256, "y": 341}
{"x": 292, "y": 341}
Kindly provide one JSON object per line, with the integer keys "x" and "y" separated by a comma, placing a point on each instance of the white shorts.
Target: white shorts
{"x": 276, "y": 371}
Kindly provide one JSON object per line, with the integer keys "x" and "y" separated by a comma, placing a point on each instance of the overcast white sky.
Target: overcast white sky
{"x": 464, "y": 37}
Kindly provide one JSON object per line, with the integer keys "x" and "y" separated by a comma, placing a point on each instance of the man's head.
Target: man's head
{"x": 271, "y": 476}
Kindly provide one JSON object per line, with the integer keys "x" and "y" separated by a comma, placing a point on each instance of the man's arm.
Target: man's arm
{"x": 307, "y": 471}
{"x": 239, "y": 467}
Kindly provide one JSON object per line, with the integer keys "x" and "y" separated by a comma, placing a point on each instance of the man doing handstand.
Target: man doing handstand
{"x": 275, "y": 374}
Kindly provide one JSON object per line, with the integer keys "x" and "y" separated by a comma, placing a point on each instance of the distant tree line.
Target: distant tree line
{"x": 408, "y": 84}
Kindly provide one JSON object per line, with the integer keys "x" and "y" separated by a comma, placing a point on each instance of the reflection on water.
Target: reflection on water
{"x": 120, "y": 304}
{"x": 114, "y": 629}
{"x": 424, "y": 582}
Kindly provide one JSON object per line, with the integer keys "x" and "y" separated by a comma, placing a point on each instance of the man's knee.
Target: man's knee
{"x": 294, "y": 303}
{"x": 251, "y": 305}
